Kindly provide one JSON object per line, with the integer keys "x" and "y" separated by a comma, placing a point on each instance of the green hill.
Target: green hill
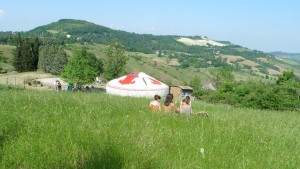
{"x": 174, "y": 58}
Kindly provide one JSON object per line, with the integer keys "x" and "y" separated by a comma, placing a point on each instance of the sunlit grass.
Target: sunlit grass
{"x": 94, "y": 130}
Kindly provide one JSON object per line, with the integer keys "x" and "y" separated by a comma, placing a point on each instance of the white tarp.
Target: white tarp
{"x": 138, "y": 85}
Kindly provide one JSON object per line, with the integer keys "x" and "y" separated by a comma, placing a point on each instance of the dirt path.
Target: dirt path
{"x": 21, "y": 79}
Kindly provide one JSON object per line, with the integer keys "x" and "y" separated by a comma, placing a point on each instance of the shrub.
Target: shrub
{"x": 257, "y": 95}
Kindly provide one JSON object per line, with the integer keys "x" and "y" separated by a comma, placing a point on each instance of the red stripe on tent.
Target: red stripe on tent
{"x": 127, "y": 89}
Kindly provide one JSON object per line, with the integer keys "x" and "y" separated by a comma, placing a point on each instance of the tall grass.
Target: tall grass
{"x": 94, "y": 130}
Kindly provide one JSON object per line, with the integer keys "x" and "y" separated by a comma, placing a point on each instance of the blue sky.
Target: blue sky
{"x": 266, "y": 25}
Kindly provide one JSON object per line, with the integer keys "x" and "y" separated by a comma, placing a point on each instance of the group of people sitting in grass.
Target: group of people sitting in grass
{"x": 185, "y": 106}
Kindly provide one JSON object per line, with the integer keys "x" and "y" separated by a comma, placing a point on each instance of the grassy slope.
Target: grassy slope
{"x": 7, "y": 52}
{"x": 92, "y": 130}
{"x": 158, "y": 69}
{"x": 161, "y": 70}
{"x": 288, "y": 65}
{"x": 164, "y": 72}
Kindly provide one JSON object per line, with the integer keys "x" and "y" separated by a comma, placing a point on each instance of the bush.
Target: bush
{"x": 257, "y": 95}
{"x": 36, "y": 82}
{"x": 2, "y": 70}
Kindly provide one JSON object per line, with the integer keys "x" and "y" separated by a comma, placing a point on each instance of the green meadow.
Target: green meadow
{"x": 46, "y": 129}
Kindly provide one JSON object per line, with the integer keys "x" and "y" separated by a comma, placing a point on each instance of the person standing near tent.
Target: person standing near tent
{"x": 186, "y": 106}
{"x": 169, "y": 106}
{"x": 155, "y": 104}
{"x": 58, "y": 85}
{"x": 55, "y": 85}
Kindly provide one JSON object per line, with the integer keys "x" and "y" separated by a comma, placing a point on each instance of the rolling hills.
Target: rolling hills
{"x": 174, "y": 59}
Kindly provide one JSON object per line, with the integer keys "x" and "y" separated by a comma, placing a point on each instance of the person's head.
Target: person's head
{"x": 187, "y": 99}
{"x": 156, "y": 97}
{"x": 169, "y": 99}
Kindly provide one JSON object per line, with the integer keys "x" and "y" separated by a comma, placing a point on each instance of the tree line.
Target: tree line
{"x": 78, "y": 69}
{"x": 26, "y": 54}
{"x": 282, "y": 95}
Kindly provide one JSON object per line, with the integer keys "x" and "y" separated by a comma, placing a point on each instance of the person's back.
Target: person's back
{"x": 186, "y": 106}
{"x": 155, "y": 104}
{"x": 169, "y": 106}
{"x": 59, "y": 85}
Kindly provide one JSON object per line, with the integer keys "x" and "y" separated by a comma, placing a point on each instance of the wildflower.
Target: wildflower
{"x": 201, "y": 151}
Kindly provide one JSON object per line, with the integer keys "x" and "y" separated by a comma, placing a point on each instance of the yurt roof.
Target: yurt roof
{"x": 139, "y": 84}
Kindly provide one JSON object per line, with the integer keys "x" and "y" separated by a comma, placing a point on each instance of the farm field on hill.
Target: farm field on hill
{"x": 44, "y": 129}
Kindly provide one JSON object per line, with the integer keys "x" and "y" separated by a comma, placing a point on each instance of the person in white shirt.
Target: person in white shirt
{"x": 186, "y": 106}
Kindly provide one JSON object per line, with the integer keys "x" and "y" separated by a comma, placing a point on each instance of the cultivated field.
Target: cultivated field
{"x": 46, "y": 129}
{"x": 249, "y": 63}
{"x": 232, "y": 58}
{"x": 273, "y": 72}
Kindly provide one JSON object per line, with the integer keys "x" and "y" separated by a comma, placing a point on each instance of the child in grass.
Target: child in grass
{"x": 169, "y": 106}
{"x": 155, "y": 104}
{"x": 186, "y": 106}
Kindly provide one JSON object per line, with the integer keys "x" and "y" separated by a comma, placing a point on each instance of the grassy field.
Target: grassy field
{"x": 44, "y": 129}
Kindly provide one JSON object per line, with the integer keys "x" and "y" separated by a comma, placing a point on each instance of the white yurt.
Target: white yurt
{"x": 137, "y": 85}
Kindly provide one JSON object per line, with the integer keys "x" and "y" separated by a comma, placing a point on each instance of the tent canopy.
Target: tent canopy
{"x": 138, "y": 85}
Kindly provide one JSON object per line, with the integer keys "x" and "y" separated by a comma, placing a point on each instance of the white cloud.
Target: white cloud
{"x": 1, "y": 13}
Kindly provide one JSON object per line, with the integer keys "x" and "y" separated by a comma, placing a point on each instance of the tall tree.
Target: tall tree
{"x": 79, "y": 69}
{"x": 34, "y": 59}
{"x": 59, "y": 61}
{"x": 52, "y": 59}
{"x": 115, "y": 61}
{"x": 221, "y": 75}
{"x": 17, "y": 60}
{"x": 2, "y": 58}
{"x": 26, "y": 55}
{"x": 45, "y": 58}
{"x": 197, "y": 87}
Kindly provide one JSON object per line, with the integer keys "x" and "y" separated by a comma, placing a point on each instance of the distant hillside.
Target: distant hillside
{"x": 200, "y": 52}
{"x": 291, "y": 56}
{"x": 279, "y": 53}
{"x": 78, "y": 31}
{"x": 175, "y": 53}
